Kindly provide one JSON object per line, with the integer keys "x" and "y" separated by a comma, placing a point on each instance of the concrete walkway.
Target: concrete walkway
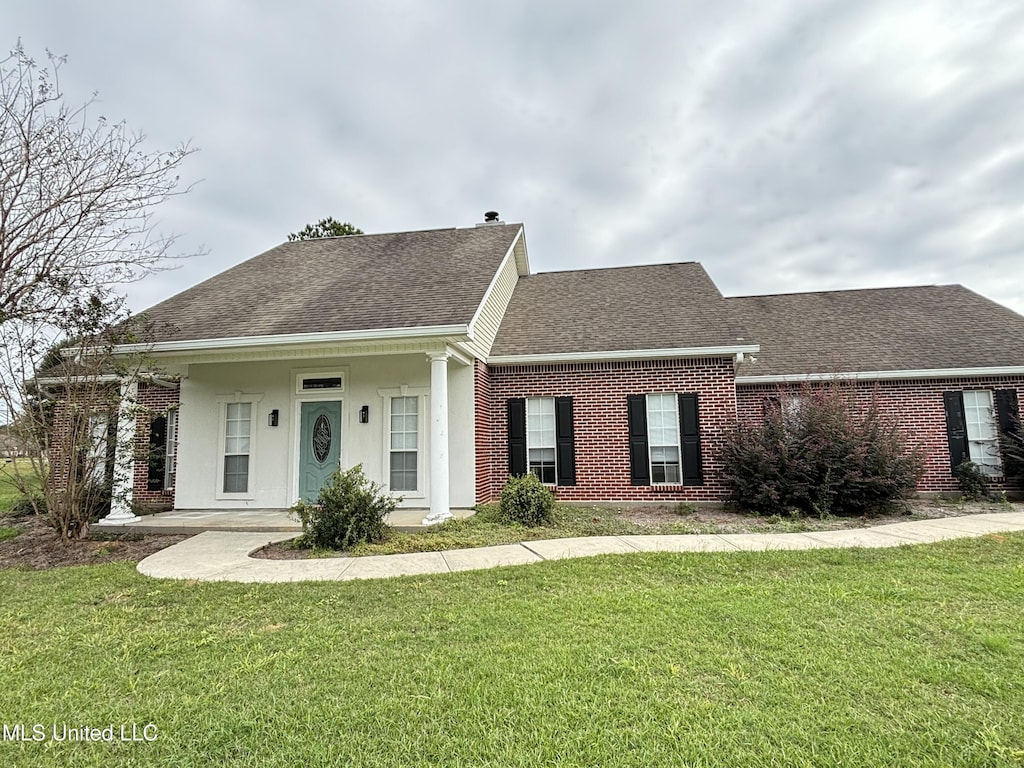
{"x": 224, "y": 556}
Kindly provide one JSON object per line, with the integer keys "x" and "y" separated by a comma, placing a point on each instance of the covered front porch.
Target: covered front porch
{"x": 256, "y": 429}
{"x": 190, "y": 521}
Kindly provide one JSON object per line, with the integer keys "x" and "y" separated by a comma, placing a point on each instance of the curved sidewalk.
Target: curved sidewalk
{"x": 224, "y": 556}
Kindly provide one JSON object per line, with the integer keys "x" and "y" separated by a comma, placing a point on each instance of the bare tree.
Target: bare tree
{"x": 76, "y": 195}
{"x": 77, "y": 200}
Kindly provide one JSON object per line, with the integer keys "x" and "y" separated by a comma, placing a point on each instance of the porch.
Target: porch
{"x": 190, "y": 521}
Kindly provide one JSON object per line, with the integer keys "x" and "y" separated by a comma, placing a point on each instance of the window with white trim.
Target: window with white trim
{"x": 237, "y": 446}
{"x": 982, "y": 437}
{"x": 663, "y": 438}
{"x": 171, "y": 451}
{"x": 99, "y": 448}
{"x": 404, "y": 443}
{"x": 540, "y": 438}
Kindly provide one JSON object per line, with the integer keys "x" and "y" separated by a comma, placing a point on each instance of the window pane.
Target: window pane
{"x": 236, "y": 474}
{"x": 403, "y": 471}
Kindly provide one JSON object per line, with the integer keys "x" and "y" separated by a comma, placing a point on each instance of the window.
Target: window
{"x": 663, "y": 438}
{"x": 163, "y": 441}
{"x": 96, "y": 458}
{"x": 404, "y": 443}
{"x": 982, "y": 439}
{"x": 237, "y": 445}
{"x": 540, "y": 437}
{"x": 171, "y": 451}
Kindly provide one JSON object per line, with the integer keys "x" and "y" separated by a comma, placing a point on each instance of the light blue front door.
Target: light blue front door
{"x": 319, "y": 446}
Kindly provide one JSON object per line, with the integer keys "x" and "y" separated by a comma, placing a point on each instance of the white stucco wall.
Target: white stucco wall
{"x": 273, "y": 459}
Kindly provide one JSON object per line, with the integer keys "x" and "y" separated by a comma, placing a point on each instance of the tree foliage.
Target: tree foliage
{"x": 329, "y": 227}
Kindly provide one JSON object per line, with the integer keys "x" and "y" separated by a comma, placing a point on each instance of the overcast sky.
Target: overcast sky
{"x": 788, "y": 146}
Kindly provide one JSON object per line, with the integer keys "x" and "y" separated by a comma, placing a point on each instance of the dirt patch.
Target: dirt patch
{"x": 37, "y": 547}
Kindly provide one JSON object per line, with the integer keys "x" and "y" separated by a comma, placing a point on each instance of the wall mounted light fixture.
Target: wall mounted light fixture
{"x": 364, "y": 415}
{"x": 272, "y": 418}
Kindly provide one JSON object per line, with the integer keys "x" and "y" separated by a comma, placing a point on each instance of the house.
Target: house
{"x": 439, "y": 362}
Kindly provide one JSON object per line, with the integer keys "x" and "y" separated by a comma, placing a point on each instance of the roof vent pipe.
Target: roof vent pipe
{"x": 491, "y": 217}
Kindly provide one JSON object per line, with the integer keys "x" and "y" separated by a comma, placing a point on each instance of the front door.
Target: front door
{"x": 319, "y": 446}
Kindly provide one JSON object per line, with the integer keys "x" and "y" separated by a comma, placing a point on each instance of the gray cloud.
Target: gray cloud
{"x": 797, "y": 146}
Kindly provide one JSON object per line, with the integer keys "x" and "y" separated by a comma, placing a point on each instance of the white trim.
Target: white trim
{"x": 554, "y": 435}
{"x": 254, "y": 413}
{"x": 925, "y": 373}
{"x": 236, "y": 342}
{"x": 509, "y": 254}
{"x": 422, "y": 395}
{"x": 317, "y": 373}
{"x": 674, "y": 397}
{"x": 623, "y": 354}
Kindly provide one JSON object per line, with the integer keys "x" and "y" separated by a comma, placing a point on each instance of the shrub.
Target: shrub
{"x": 350, "y": 510}
{"x": 24, "y": 506}
{"x": 526, "y": 501}
{"x": 974, "y": 484}
{"x": 821, "y": 455}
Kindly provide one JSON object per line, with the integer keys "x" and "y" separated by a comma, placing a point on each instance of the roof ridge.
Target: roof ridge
{"x": 847, "y": 290}
{"x": 618, "y": 266}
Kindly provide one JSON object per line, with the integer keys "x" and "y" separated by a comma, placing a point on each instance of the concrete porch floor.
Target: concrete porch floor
{"x": 248, "y": 520}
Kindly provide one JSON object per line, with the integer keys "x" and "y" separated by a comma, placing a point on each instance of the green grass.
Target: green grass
{"x": 6, "y": 532}
{"x": 909, "y": 657}
{"x": 9, "y": 492}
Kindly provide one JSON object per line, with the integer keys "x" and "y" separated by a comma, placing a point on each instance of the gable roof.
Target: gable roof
{"x": 938, "y": 327}
{"x": 661, "y": 306}
{"x": 409, "y": 280}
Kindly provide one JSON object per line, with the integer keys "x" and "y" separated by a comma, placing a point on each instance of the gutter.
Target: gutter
{"x": 625, "y": 355}
{"x": 327, "y": 337}
{"x": 922, "y": 373}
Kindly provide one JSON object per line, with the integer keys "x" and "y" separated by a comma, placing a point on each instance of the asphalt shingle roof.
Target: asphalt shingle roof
{"x": 661, "y": 306}
{"x": 884, "y": 329}
{"x": 362, "y": 282}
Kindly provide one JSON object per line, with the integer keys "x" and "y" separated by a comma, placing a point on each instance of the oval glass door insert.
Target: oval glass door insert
{"x": 321, "y": 438}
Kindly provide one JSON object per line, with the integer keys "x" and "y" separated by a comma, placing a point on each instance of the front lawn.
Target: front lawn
{"x": 908, "y": 657}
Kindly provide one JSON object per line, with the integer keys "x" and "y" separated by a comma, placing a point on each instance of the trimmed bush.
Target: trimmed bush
{"x": 525, "y": 500}
{"x": 350, "y": 510}
{"x": 820, "y": 454}
{"x": 974, "y": 484}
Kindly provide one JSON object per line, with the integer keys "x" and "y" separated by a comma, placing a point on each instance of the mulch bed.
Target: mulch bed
{"x": 37, "y": 546}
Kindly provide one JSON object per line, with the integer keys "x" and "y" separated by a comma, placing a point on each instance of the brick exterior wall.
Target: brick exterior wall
{"x": 152, "y": 401}
{"x": 484, "y": 429}
{"x": 599, "y": 392}
{"x": 914, "y": 405}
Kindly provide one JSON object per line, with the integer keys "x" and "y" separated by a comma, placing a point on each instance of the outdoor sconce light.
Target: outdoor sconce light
{"x": 364, "y": 415}
{"x": 272, "y": 418}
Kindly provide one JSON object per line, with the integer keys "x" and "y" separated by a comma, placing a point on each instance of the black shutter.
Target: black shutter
{"x": 639, "y": 465}
{"x": 157, "y": 453}
{"x": 956, "y": 428}
{"x": 564, "y": 441}
{"x": 689, "y": 433}
{"x": 1006, "y": 411}
{"x": 517, "y": 436}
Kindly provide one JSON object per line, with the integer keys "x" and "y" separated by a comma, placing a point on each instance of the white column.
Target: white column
{"x": 439, "y": 505}
{"x": 124, "y": 459}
